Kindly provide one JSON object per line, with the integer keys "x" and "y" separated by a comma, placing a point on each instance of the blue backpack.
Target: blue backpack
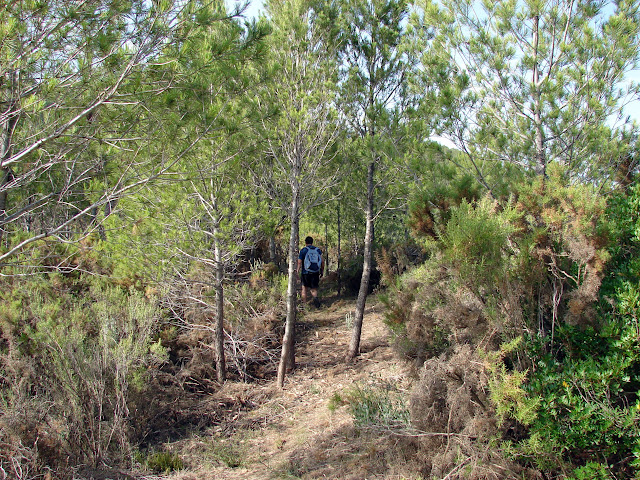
{"x": 312, "y": 260}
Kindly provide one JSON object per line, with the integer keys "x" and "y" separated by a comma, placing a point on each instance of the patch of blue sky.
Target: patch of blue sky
{"x": 252, "y": 8}
{"x": 632, "y": 108}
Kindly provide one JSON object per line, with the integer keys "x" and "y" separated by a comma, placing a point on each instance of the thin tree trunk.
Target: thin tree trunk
{"x": 273, "y": 253}
{"x": 325, "y": 263}
{"x": 287, "y": 357}
{"x": 221, "y": 367}
{"x": 7, "y": 128}
{"x": 5, "y": 173}
{"x": 339, "y": 262}
{"x": 541, "y": 159}
{"x": 356, "y": 244}
{"x": 354, "y": 345}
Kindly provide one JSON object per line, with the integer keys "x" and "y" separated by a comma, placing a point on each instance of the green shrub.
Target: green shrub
{"x": 164, "y": 462}
{"x": 374, "y": 406}
{"x": 591, "y": 471}
{"x": 588, "y": 382}
{"x": 506, "y": 386}
{"x": 76, "y": 345}
{"x": 553, "y": 267}
{"x": 444, "y": 187}
{"x": 475, "y": 241}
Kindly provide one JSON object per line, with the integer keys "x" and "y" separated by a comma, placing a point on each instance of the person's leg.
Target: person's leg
{"x": 314, "y": 290}
{"x": 304, "y": 279}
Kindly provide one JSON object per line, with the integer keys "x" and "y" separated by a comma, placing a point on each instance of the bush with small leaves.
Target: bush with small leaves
{"x": 71, "y": 355}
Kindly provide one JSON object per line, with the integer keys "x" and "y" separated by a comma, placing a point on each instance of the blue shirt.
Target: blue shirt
{"x": 303, "y": 253}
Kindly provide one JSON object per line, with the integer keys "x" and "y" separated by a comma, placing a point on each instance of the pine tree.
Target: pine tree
{"x": 197, "y": 216}
{"x": 544, "y": 81}
{"x": 65, "y": 64}
{"x": 299, "y": 136}
{"x": 372, "y": 79}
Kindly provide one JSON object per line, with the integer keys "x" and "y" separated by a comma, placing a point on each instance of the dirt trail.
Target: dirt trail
{"x": 292, "y": 433}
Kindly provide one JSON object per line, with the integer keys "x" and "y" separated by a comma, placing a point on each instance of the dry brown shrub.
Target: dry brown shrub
{"x": 17, "y": 462}
{"x": 252, "y": 324}
{"x": 463, "y": 315}
{"x": 416, "y": 331}
{"x": 421, "y": 325}
{"x": 386, "y": 266}
{"x": 452, "y": 395}
{"x": 581, "y": 301}
{"x": 396, "y": 259}
{"x": 353, "y": 454}
{"x": 450, "y": 407}
{"x": 32, "y": 438}
{"x": 438, "y": 315}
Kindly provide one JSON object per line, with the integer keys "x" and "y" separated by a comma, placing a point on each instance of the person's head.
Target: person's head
{"x": 308, "y": 241}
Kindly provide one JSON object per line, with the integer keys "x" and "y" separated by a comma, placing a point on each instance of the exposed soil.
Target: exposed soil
{"x": 271, "y": 433}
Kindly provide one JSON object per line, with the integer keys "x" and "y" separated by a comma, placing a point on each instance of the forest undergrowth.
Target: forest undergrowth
{"x": 309, "y": 429}
{"x": 510, "y": 353}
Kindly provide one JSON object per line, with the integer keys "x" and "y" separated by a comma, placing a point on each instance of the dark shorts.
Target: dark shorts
{"x": 311, "y": 280}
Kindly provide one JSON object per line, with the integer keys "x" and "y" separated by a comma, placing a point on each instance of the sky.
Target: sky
{"x": 632, "y": 109}
{"x": 253, "y": 10}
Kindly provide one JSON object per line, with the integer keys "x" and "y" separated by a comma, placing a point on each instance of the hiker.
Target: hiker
{"x": 310, "y": 265}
